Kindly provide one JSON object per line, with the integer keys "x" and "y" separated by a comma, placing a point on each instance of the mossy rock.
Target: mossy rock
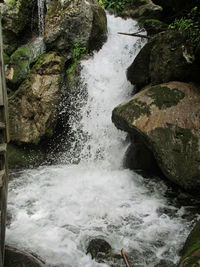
{"x": 153, "y": 26}
{"x": 20, "y": 61}
{"x": 166, "y": 118}
{"x": 23, "y": 156}
{"x": 168, "y": 56}
{"x": 191, "y": 250}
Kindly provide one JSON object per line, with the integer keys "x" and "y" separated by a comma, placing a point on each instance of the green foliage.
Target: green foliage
{"x": 116, "y": 5}
{"x": 77, "y": 53}
{"x": 190, "y": 24}
{"x": 6, "y": 59}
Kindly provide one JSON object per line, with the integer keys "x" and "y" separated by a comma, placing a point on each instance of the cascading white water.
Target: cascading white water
{"x": 57, "y": 209}
{"x": 41, "y": 17}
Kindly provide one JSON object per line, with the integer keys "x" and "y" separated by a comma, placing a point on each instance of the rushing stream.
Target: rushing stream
{"x": 57, "y": 209}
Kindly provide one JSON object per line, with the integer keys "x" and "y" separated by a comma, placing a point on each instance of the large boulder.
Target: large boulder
{"x": 166, "y": 117}
{"x": 167, "y": 57}
{"x": 141, "y": 8}
{"x": 74, "y": 22}
{"x": 191, "y": 250}
{"x": 34, "y": 106}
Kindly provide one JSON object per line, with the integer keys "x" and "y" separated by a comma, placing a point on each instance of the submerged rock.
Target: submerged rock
{"x": 101, "y": 251}
{"x": 166, "y": 118}
{"x": 99, "y": 246}
{"x": 74, "y": 22}
{"x": 191, "y": 250}
{"x": 34, "y": 106}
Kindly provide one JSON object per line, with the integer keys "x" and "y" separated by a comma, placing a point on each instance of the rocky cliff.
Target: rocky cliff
{"x": 39, "y": 69}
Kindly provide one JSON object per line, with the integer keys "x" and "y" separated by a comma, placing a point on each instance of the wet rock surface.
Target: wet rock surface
{"x": 101, "y": 251}
{"x": 17, "y": 258}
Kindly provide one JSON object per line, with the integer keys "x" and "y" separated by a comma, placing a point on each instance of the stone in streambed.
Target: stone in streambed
{"x": 101, "y": 250}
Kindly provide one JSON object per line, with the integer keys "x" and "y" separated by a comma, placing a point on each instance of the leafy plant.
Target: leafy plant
{"x": 78, "y": 51}
{"x": 190, "y": 25}
{"x": 116, "y": 5}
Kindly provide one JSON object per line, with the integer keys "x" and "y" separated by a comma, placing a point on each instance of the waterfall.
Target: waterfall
{"x": 57, "y": 209}
{"x": 41, "y": 17}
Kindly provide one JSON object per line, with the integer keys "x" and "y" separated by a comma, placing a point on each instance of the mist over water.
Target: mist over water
{"x": 57, "y": 209}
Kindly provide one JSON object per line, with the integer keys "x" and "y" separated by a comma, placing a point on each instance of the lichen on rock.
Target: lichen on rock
{"x": 169, "y": 127}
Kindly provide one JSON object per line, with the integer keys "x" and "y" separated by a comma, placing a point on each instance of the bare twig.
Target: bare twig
{"x": 135, "y": 35}
{"x": 125, "y": 258}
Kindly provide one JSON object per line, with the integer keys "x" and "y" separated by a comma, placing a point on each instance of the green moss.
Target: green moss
{"x": 50, "y": 132}
{"x": 193, "y": 241}
{"x": 191, "y": 249}
{"x": 6, "y": 59}
{"x": 71, "y": 72}
{"x": 11, "y": 3}
{"x": 20, "y": 61}
{"x": 153, "y": 21}
{"x": 164, "y": 97}
{"x": 132, "y": 110}
{"x": 77, "y": 54}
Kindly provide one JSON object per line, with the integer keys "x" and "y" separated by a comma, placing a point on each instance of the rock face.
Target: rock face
{"x": 17, "y": 22}
{"x": 167, "y": 57}
{"x": 72, "y": 29}
{"x": 33, "y": 108}
{"x": 142, "y": 8}
{"x": 166, "y": 117}
{"x": 191, "y": 250}
{"x": 74, "y": 22}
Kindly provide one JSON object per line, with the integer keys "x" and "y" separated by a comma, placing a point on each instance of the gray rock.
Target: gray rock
{"x": 72, "y": 22}
{"x": 167, "y": 57}
{"x": 142, "y": 8}
{"x": 166, "y": 117}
